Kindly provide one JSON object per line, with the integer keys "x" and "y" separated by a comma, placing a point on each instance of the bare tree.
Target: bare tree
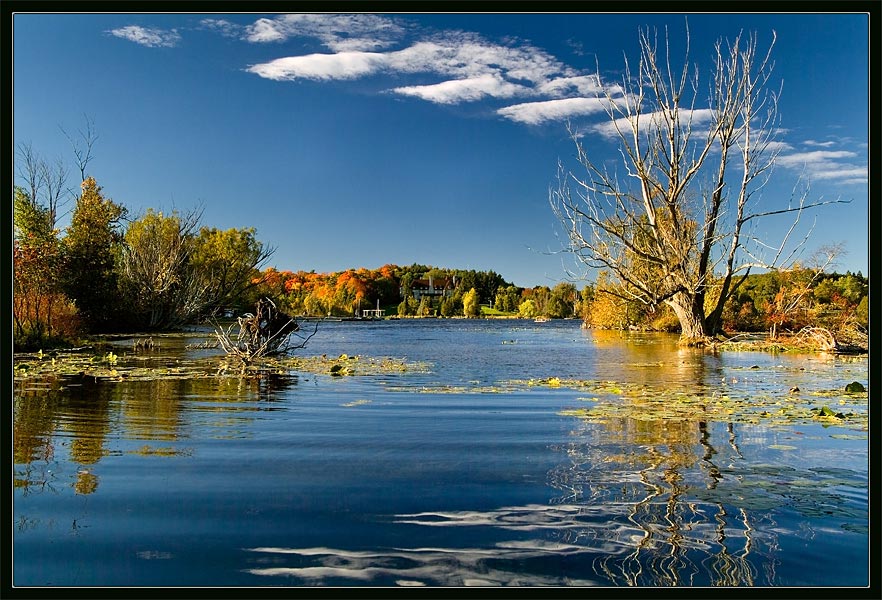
{"x": 164, "y": 288}
{"x": 681, "y": 220}
{"x": 82, "y": 145}
{"x": 45, "y": 183}
{"x": 29, "y": 171}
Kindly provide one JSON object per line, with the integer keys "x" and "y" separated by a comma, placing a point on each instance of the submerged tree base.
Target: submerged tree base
{"x": 698, "y": 342}
{"x": 808, "y": 339}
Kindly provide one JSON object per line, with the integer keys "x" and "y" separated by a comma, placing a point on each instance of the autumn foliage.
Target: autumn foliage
{"x": 775, "y": 302}
{"x": 105, "y": 272}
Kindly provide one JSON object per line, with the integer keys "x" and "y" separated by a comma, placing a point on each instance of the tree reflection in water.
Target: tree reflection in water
{"x": 90, "y": 417}
{"x": 649, "y": 467}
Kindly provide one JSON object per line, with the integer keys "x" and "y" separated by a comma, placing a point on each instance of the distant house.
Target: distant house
{"x": 431, "y": 287}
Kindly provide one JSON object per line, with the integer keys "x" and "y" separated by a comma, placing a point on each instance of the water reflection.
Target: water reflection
{"x": 630, "y": 513}
{"x": 651, "y": 467}
{"x": 645, "y": 496}
{"x": 89, "y": 417}
{"x": 421, "y": 566}
{"x": 647, "y": 359}
{"x": 72, "y": 412}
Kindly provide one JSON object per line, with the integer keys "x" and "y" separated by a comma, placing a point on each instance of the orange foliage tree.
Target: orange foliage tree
{"x": 41, "y": 312}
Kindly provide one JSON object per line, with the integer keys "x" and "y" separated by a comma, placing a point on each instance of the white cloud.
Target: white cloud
{"x": 534, "y": 113}
{"x": 466, "y": 66}
{"x": 816, "y": 157}
{"x": 265, "y": 30}
{"x": 778, "y": 146}
{"x": 471, "y": 67}
{"x": 826, "y": 144}
{"x": 459, "y": 90}
{"x": 610, "y": 129}
{"x": 585, "y": 85}
{"x": 851, "y": 174}
{"x": 146, "y": 36}
{"x": 340, "y": 33}
{"x": 467, "y": 55}
{"x": 479, "y": 70}
{"x": 344, "y": 65}
{"x": 222, "y": 26}
{"x": 826, "y": 164}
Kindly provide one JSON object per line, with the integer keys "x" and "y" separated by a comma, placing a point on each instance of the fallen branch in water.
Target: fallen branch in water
{"x": 267, "y": 332}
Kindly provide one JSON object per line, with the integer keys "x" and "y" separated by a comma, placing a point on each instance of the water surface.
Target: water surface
{"x": 476, "y": 469}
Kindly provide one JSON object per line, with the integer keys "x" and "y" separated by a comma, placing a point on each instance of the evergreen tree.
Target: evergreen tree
{"x": 90, "y": 249}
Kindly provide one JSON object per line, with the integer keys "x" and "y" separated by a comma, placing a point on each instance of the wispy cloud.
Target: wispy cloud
{"x": 826, "y": 144}
{"x": 582, "y": 84}
{"x": 469, "y": 58}
{"x": 223, "y": 27}
{"x": 456, "y": 67}
{"x": 467, "y": 67}
{"x": 610, "y": 129}
{"x": 147, "y": 36}
{"x": 852, "y": 174}
{"x": 830, "y": 165}
{"x": 535, "y": 113}
{"x": 815, "y": 157}
{"x": 343, "y": 65}
{"x": 339, "y": 33}
{"x": 463, "y": 90}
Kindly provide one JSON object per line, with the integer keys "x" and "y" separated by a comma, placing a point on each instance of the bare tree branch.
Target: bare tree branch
{"x": 83, "y": 144}
{"x": 657, "y": 232}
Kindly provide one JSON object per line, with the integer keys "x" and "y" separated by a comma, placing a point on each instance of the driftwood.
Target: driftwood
{"x": 818, "y": 337}
{"x": 266, "y": 332}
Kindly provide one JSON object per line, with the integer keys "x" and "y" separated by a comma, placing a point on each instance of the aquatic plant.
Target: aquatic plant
{"x": 33, "y": 372}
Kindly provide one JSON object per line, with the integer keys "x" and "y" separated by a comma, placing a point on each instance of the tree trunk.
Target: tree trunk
{"x": 690, "y": 311}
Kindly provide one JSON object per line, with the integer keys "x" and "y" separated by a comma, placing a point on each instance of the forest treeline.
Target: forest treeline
{"x": 109, "y": 272}
{"x": 397, "y": 290}
{"x": 777, "y": 300}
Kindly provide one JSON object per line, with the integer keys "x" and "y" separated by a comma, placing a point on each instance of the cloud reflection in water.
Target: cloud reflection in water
{"x": 424, "y": 566}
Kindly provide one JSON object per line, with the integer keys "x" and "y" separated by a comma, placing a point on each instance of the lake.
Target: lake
{"x": 501, "y": 452}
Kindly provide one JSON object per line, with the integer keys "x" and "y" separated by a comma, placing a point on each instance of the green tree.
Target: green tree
{"x": 862, "y": 312}
{"x": 586, "y": 297}
{"x": 507, "y": 299}
{"x": 90, "y": 249}
{"x": 540, "y": 296}
{"x": 446, "y": 307}
{"x": 471, "y": 305}
{"x": 452, "y": 305}
{"x": 527, "y": 309}
{"x": 425, "y": 307}
{"x": 562, "y": 302}
{"x": 227, "y": 264}
{"x": 157, "y": 279}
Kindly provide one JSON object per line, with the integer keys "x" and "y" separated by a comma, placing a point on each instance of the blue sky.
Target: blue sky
{"x": 360, "y": 140}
